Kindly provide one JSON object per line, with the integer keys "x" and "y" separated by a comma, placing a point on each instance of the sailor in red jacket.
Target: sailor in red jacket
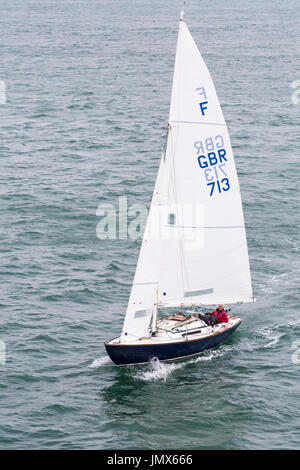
{"x": 217, "y": 316}
{"x": 220, "y": 314}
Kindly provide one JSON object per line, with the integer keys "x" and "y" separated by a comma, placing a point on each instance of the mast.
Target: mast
{"x": 155, "y": 311}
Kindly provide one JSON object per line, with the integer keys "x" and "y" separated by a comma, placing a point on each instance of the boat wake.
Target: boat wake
{"x": 280, "y": 282}
{"x": 158, "y": 370}
{"x": 209, "y": 355}
{"x": 269, "y": 338}
{"x": 264, "y": 338}
{"x": 99, "y": 362}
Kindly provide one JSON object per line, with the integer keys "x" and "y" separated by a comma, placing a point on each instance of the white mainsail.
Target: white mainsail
{"x": 194, "y": 250}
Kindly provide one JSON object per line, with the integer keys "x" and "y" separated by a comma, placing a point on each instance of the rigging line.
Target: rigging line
{"x": 180, "y": 78}
{"x": 182, "y": 12}
{"x": 166, "y": 143}
{"x": 174, "y": 190}
{"x": 182, "y": 257}
{"x": 172, "y": 144}
{"x": 173, "y": 184}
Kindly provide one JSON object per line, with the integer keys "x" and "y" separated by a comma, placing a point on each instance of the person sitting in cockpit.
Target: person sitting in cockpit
{"x": 217, "y": 316}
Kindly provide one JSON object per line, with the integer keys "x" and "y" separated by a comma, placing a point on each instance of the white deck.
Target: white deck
{"x": 170, "y": 331}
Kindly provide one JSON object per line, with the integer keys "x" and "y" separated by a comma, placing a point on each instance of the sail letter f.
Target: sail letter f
{"x": 203, "y": 107}
{"x": 201, "y": 92}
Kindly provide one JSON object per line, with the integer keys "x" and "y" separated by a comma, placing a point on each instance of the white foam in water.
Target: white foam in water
{"x": 161, "y": 370}
{"x": 264, "y": 338}
{"x": 271, "y": 335}
{"x": 278, "y": 280}
{"x": 158, "y": 370}
{"x": 210, "y": 355}
{"x": 99, "y": 362}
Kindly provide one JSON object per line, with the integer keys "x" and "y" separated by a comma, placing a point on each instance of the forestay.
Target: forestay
{"x": 194, "y": 249}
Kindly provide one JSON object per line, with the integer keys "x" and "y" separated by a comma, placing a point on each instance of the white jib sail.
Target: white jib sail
{"x": 194, "y": 249}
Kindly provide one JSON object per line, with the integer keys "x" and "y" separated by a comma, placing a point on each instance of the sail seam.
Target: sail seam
{"x": 187, "y": 226}
{"x": 144, "y": 283}
{"x": 198, "y": 122}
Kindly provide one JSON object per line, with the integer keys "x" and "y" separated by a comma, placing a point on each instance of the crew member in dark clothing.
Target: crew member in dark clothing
{"x": 217, "y": 316}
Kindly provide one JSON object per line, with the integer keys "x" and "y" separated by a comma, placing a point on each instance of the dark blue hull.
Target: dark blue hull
{"x": 129, "y": 354}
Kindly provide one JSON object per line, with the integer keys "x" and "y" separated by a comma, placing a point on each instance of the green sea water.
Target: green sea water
{"x": 87, "y": 97}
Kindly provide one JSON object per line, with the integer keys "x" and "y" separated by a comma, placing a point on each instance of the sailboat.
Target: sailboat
{"x": 194, "y": 252}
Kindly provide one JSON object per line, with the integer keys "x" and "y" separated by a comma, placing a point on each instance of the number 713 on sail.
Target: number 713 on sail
{"x": 222, "y": 185}
{"x": 213, "y": 176}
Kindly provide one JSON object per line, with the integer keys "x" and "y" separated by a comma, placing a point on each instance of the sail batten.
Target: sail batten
{"x": 198, "y": 122}
{"x": 194, "y": 250}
